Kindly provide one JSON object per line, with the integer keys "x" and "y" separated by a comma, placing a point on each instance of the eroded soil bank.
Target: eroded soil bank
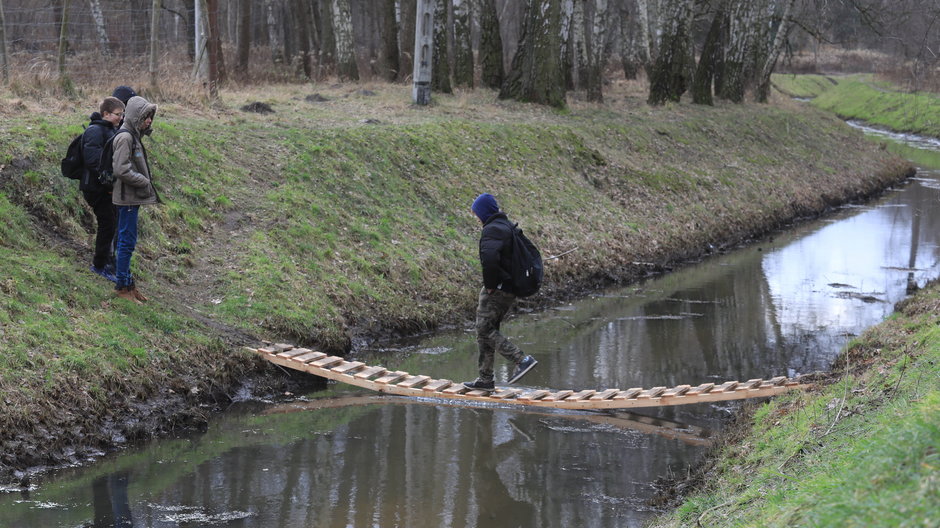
{"x": 316, "y": 228}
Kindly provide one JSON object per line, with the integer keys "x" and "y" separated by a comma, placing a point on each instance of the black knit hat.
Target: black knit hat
{"x": 124, "y": 93}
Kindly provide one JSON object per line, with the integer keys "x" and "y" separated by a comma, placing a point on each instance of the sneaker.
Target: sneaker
{"x": 480, "y": 384}
{"x": 522, "y": 368}
{"x": 105, "y": 272}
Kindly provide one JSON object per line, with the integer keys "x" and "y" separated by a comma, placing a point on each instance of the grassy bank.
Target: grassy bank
{"x": 859, "y": 450}
{"x": 329, "y": 221}
{"x": 861, "y": 97}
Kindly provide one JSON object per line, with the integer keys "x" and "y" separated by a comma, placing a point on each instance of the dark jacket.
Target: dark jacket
{"x": 95, "y": 136}
{"x": 132, "y": 184}
{"x": 496, "y": 253}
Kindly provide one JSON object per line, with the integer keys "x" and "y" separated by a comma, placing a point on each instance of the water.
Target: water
{"x": 346, "y": 457}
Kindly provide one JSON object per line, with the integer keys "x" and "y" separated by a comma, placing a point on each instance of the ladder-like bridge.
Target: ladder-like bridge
{"x": 404, "y": 384}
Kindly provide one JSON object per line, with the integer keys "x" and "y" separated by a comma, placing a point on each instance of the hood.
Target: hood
{"x": 485, "y": 206}
{"x": 137, "y": 109}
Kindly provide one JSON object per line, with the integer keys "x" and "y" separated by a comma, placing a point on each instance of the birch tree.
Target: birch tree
{"x": 671, "y": 73}
{"x": 275, "y": 31}
{"x": 440, "y": 77}
{"x": 577, "y": 45}
{"x": 326, "y": 58}
{"x": 100, "y": 29}
{"x": 536, "y": 75}
{"x": 596, "y": 55}
{"x": 463, "y": 47}
{"x": 627, "y": 26}
{"x": 346, "y": 66}
{"x": 491, "y": 46}
{"x": 709, "y": 59}
{"x": 243, "y": 38}
{"x": 742, "y": 16}
{"x": 643, "y": 24}
{"x": 783, "y": 29}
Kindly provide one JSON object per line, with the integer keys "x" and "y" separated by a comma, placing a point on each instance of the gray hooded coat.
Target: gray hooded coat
{"x": 132, "y": 184}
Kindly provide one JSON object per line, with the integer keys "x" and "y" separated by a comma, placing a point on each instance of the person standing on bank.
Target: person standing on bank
{"x": 133, "y": 187}
{"x": 103, "y": 125}
{"x": 497, "y": 295}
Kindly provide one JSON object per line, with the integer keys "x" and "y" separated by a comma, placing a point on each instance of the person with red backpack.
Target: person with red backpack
{"x": 104, "y": 124}
{"x": 497, "y": 296}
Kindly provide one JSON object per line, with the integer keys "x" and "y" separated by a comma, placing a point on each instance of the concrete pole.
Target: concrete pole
{"x": 424, "y": 35}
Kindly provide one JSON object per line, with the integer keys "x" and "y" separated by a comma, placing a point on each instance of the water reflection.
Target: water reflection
{"x": 348, "y": 458}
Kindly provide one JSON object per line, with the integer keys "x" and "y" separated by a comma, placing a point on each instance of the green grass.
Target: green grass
{"x": 879, "y": 104}
{"x": 806, "y": 86}
{"x": 862, "y": 451}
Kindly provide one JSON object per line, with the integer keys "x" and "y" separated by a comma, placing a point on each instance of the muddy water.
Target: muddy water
{"x": 344, "y": 457}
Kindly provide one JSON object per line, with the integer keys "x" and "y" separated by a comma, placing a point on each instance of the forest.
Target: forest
{"x": 529, "y": 50}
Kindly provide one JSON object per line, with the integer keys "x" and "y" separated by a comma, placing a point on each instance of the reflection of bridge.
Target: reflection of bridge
{"x": 404, "y": 384}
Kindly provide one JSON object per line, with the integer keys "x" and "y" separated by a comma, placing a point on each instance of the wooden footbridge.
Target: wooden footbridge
{"x": 402, "y": 383}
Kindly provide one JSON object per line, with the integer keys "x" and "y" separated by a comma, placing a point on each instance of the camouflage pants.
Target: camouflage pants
{"x": 490, "y": 312}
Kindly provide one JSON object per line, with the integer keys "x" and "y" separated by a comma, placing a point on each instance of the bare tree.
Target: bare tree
{"x": 345, "y": 42}
{"x": 100, "y": 29}
{"x": 301, "y": 17}
{"x": 463, "y": 46}
{"x": 709, "y": 59}
{"x": 440, "y": 80}
{"x": 406, "y": 35}
{"x": 4, "y": 61}
{"x": 743, "y": 15}
{"x": 491, "y": 46}
{"x": 671, "y": 74}
{"x": 597, "y": 44}
{"x": 243, "y": 39}
{"x": 783, "y": 29}
{"x": 536, "y": 75}
{"x": 63, "y": 41}
{"x": 213, "y": 46}
{"x": 389, "y": 56}
{"x": 326, "y": 60}
{"x": 275, "y": 30}
{"x": 577, "y": 47}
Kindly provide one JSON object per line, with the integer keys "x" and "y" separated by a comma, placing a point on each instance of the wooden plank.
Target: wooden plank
{"x": 456, "y": 388}
{"x": 326, "y": 362}
{"x": 293, "y": 352}
{"x": 308, "y": 357}
{"x": 348, "y": 367}
{"x": 369, "y": 372}
{"x": 701, "y": 389}
{"x": 267, "y": 350}
{"x": 437, "y": 385}
{"x": 555, "y": 396}
{"x": 282, "y": 347}
{"x": 392, "y": 377}
{"x": 534, "y": 395}
{"x": 605, "y": 395}
{"x": 678, "y": 390}
{"x": 582, "y": 395}
{"x": 503, "y": 394}
{"x": 628, "y": 394}
{"x": 478, "y": 393}
{"x": 779, "y": 380}
{"x": 413, "y": 382}
{"x": 749, "y": 384}
{"x": 652, "y": 393}
{"x": 726, "y": 386}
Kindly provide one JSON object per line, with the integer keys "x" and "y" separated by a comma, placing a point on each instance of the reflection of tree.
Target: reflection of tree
{"x": 495, "y": 504}
{"x": 109, "y": 499}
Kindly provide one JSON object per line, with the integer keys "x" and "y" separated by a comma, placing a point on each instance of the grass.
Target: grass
{"x": 312, "y": 226}
{"x": 805, "y": 86}
{"x": 861, "y": 450}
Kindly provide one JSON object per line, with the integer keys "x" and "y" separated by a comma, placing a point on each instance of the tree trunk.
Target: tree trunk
{"x": 742, "y": 15}
{"x": 577, "y": 46}
{"x": 440, "y": 80}
{"x": 213, "y": 47}
{"x": 670, "y": 76}
{"x": 389, "y": 54}
{"x": 243, "y": 40}
{"x": 763, "y": 80}
{"x": 463, "y": 46}
{"x": 154, "y": 32}
{"x": 346, "y": 66}
{"x": 596, "y": 52}
{"x": 491, "y": 47}
{"x": 705, "y": 72}
{"x": 327, "y": 59}
{"x": 629, "y": 43}
{"x": 63, "y": 40}
{"x": 536, "y": 75}
{"x": 4, "y": 60}
{"x": 406, "y": 38}
{"x": 301, "y": 20}
{"x": 201, "y": 41}
{"x": 643, "y": 18}
{"x": 275, "y": 31}
{"x": 424, "y": 51}
{"x": 100, "y": 28}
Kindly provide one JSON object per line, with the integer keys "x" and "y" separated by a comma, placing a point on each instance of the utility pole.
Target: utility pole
{"x": 424, "y": 35}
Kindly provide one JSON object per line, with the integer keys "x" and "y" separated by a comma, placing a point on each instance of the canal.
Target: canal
{"x": 341, "y": 457}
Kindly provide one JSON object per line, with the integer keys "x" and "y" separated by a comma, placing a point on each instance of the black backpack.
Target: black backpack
{"x": 106, "y": 162}
{"x": 527, "y": 271}
{"x": 72, "y": 164}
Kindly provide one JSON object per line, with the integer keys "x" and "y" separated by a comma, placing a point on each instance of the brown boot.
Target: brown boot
{"x": 141, "y": 298}
{"x": 127, "y": 292}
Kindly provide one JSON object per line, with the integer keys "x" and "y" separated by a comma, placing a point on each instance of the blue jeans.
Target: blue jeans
{"x": 126, "y": 242}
